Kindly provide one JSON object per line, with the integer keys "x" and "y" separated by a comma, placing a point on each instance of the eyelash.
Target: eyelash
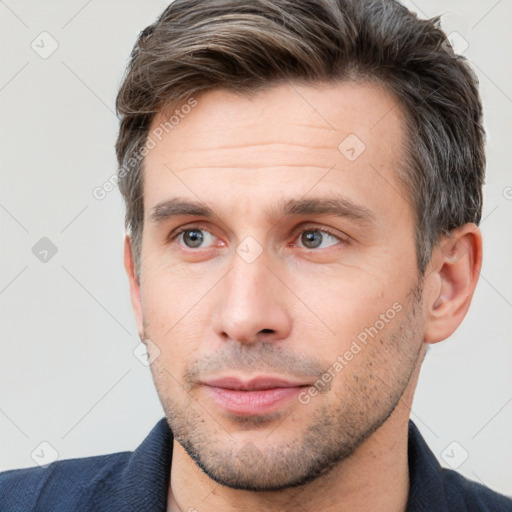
{"x": 173, "y": 236}
{"x": 330, "y": 232}
{"x": 302, "y": 229}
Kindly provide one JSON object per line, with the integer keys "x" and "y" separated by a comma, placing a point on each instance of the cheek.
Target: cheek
{"x": 167, "y": 383}
{"x": 376, "y": 364}
{"x": 174, "y": 322}
{"x": 346, "y": 304}
{"x": 170, "y": 295}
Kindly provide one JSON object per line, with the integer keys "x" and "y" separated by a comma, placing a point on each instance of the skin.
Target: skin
{"x": 291, "y": 312}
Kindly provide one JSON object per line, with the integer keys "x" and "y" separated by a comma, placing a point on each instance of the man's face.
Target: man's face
{"x": 266, "y": 292}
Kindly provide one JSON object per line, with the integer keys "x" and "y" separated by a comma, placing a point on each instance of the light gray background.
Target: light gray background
{"x": 68, "y": 373}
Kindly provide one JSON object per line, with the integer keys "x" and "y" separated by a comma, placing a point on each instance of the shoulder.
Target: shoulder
{"x": 60, "y": 485}
{"x": 461, "y": 492}
{"x": 433, "y": 487}
{"x": 137, "y": 481}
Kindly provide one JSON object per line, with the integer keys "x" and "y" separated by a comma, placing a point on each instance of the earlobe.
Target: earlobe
{"x": 134, "y": 283}
{"x": 453, "y": 279}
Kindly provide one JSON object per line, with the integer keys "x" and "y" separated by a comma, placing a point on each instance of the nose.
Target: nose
{"x": 252, "y": 304}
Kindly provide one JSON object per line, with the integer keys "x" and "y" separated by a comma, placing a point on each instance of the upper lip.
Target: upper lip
{"x": 254, "y": 384}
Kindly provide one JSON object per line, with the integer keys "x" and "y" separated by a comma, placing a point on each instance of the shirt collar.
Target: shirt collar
{"x": 426, "y": 489}
{"x": 145, "y": 479}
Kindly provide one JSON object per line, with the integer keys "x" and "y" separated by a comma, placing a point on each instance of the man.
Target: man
{"x": 303, "y": 184}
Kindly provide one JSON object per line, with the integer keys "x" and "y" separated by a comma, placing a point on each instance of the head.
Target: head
{"x": 303, "y": 183}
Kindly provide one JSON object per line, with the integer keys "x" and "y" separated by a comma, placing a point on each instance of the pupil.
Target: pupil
{"x": 193, "y": 238}
{"x": 311, "y": 239}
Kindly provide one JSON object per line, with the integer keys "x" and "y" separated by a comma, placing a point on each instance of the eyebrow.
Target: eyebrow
{"x": 337, "y": 206}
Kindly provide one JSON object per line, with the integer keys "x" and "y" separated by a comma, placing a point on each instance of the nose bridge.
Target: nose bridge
{"x": 251, "y": 305}
{"x": 248, "y": 287}
{"x": 250, "y": 282}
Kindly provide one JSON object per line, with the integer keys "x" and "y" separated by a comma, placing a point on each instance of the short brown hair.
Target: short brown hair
{"x": 246, "y": 46}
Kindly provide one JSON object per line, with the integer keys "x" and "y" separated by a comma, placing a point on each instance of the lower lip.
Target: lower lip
{"x": 252, "y": 403}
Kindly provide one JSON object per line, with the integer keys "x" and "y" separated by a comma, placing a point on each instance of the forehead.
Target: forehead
{"x": 279, "y": 142}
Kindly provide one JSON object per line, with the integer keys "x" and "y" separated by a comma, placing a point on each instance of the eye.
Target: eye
{"x": 317, "y": 238}
{"x": 194, "y": 238}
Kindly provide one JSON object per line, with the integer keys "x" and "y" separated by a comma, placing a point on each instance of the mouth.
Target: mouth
{"x": 254, "y": 397}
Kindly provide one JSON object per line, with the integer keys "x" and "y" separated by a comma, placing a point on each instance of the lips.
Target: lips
{"x": 254, "y": 397}
{"x": 255, "y": 384}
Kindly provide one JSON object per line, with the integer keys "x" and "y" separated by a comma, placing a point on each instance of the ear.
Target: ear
{"x": 134, "y": 285}
{"x": 451, "y": 280}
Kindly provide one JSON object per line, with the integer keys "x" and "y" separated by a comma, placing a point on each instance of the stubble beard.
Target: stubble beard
{"x": 335, "y": 427}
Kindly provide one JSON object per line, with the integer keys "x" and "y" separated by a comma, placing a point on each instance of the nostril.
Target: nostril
{"x": 267, "y": 331}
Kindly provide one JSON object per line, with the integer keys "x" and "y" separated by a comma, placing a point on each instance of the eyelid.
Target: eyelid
{"x": 342, "y": 237}
{"x": 175, "y": 233}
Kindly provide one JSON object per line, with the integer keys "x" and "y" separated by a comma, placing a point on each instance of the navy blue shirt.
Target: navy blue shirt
{"x": 138, "y": 482}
